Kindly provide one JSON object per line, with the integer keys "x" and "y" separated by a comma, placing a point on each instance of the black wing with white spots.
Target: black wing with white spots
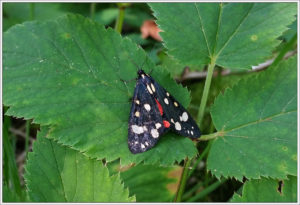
{"x": 154, "y": 112}
{"x": 181, "y": 121}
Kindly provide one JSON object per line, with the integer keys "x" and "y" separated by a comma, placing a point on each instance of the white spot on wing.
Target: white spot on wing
{"x": 137, "y": 129}
{"x": 166, "y": 101}
{"x": 137, "y": 102}
{"x": 147, "y": 107}
{"x": 177, "y": 126}
{"x": 167, "y": 94}
{"x": 153, "y": 88}
{"x": 142, "y": 146}
{"x": 145, "y": 128}
{"x": 137, "y": 114}
{"x": 185, "y": 117}
{"x": 146, "y": 143}
{"x": 172, "y": 120}
{"x": 154, "y": 133}
{"x": 157, "y": 125}
{"x": 192, "y": 133}
{"x": 149, "y": 89}
{"x": 176, "y": 104}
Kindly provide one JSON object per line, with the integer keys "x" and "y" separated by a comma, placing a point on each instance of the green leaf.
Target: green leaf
{"x": 55, "y": 173}
{"x": 266, "y": 190}
{"x": 234, "y": 35}
{"x": 150, "y": 183}
{"x": 68, "y": 74}
{"x": 257, "y": 124}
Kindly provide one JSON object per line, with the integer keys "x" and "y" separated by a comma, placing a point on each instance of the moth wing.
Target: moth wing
{"x": 180, "y": 120}
{"x": 145, "y": 124}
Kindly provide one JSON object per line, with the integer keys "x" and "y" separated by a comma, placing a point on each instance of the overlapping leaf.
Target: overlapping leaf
{"x": 69, "y": 74}
{"x": 234, "y": 35}
{"x": 257, "y": 126}
{"x": 55, "y": 173}
{"x": 268, "y": 190}
{"x": 150, "y": 183}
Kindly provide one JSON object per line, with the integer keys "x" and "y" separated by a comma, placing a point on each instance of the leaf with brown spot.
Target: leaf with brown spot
{"x": 150, "y": 183}
{"x": 174, "y": 174}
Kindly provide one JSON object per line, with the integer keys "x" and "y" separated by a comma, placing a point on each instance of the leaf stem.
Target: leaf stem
{"x": 207, "y": 190}
{"x": 210, "y": 136}
{"x": 183, "y": 180}
{"x": 120, "y": 18}
{"x": 206, "y": 90}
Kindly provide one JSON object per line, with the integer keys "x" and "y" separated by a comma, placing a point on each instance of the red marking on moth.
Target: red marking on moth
{"x": 166, "y": 124}
{"x": 159, "y": 107}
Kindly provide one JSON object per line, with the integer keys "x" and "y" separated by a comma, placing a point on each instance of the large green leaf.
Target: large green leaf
{"x": 150, "y": 183}
{"x": 55, "y": 173}
{"x": 234, "y": 35}
{"x": 68, "y": 74}
{"x": 257, "y": 126}
{"x": 268, "y": 190}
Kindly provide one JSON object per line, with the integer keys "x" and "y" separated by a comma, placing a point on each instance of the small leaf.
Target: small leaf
{"x": 149, "y": 28}
{"x": 268, "y": 190}
{"x": 55, "y": 173}
{"x": 257, "y": 124}
{"x": 68, "y": 74}
{"x": 150, "y": 183}
{"x": 235, "y": 35}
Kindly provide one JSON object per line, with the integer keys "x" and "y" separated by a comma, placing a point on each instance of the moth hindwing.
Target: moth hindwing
{"x": 154, "y": 112}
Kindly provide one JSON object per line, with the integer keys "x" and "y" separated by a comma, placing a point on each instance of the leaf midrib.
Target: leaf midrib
{"x": 233, "y": 34}
{"x": 258, "y": 121}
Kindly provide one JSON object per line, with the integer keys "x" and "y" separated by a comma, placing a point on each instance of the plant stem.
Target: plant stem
{"x": 207, "y": 190}
{"x": 185, "y": 173}
{"x": 11, "y": 162}
{"x": 27, "y": 136}
{"x": 120, "y": 19}
{"x": 31, "y": 5}
{"x": 183, "y": 180}
{"x": 289, "y": 45}
{"x": 206, "y": 91}
{"x": 92, "y": 10}
{"x": 203, "y": 154}
{"x": 191, "y": 191}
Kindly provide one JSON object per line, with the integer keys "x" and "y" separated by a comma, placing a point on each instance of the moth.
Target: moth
{"x": 154, "y": 112}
